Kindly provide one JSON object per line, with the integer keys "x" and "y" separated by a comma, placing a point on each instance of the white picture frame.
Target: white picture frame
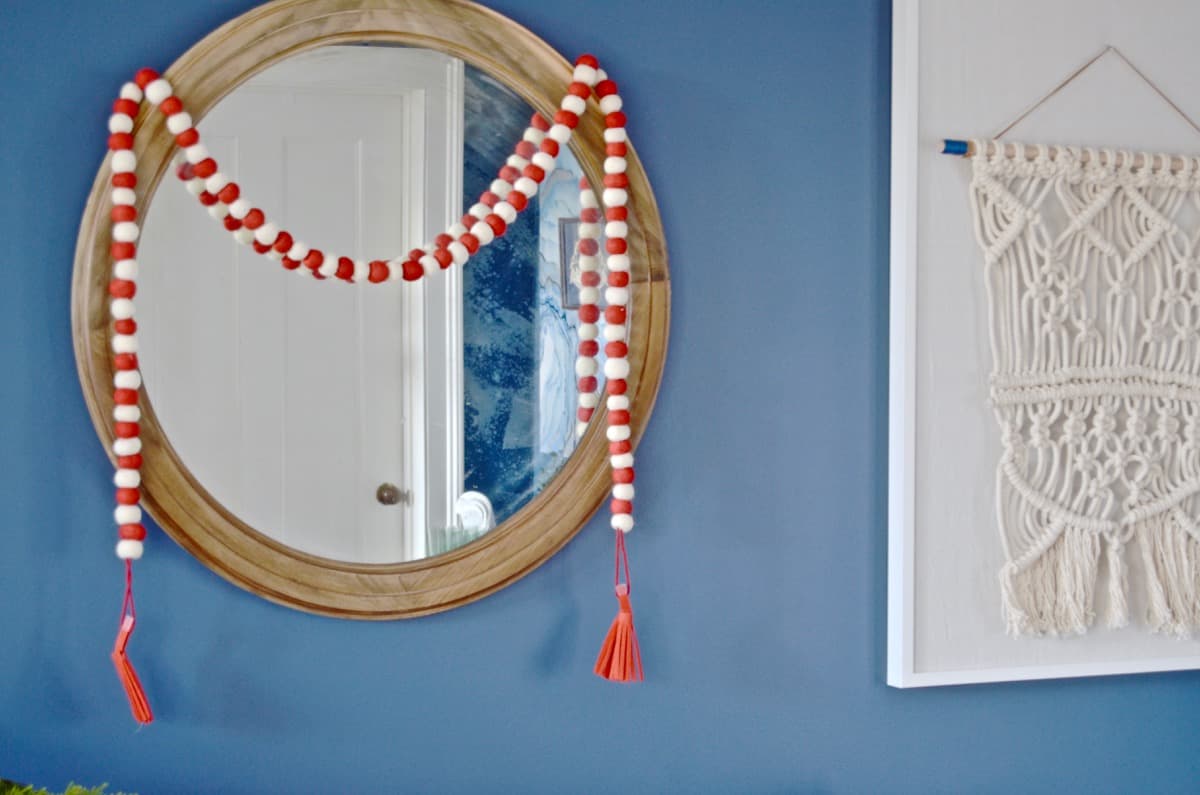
{"x": 934, "y": 593}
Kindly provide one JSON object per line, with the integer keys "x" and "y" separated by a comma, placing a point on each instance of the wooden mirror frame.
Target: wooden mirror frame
{"x": 180, "y": 505}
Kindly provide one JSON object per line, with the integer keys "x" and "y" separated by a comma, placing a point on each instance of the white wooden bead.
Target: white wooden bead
{"x": 179, "y": 122}
{"x": 266, "y": 233}
{"x": 126, "y": 269}
{"x": 588, "y": 331}
{"x": 124, "y": 161}
{"x": 124, "y": 343}
{"x": 243, "y": 236}
{"x": 587, "y": 199}
{"x": 506, "y": 211}
{"x": 122, "y": 308}
{"x": 560, "y": 133}
{"x": 616, "y": 229}
{"x": 430, "y": 264}
{"x": 615, "y": 197}
{"x": 195, "y": 186}
{"x": 614, "y": 165}
{"x": 611, "y": 104}
{"x": 574, "y": 104}
{"x": 616, "y": 368}
{"x": 601, "y": 75}
{"x": 517, "y": 162}
{"x": 543, "y": 161}
{"x": 239, "y": 208}
{"x": 196, "y": 153}
{"x": 273, "y": 255}
{"x": 615, "y": 135}
{"x": 216, "y": 183}
{"x": 580, "y": 428}
{"x": 618, "y": 402}
{"x": 127, "y": 446}
{"x": 157, "y": 91}
{"x": 586, "y": 74}
{"x": 456, "y": 230}
{"x": 328, "y": 266}
{"x": 589, "y": 400}
{"x": 588, "y": 295}
{"x": 127, "y": 514}
{"x": 585, "y": 366}
{"x": 527, "y": 186}
{"x": 120, "y": 123}
{"x": 127, "y": 478}
{"x": 458, "y": 252}
{"x": 361, "y": 270}
{"x": 623, "y": 491}
{"x": 131, "y": 91}
{"x": 618, "y": 262}
{"x": 129, "y": 549}
{"x": 622, "y": 522}
{"x": 123, "y": 197}
{"x": 616, "y": 296}
{"x": 614, "y": 332}
{"x": 618, "y": 433}
{"x": 500, "y": 187}
{"x": 484, "y": 233}
{"x": 125, "y": 232}
{"x": 396, "y": 269}
{"x": 480, "y": 210}
{"x": 589, "y": 262}
{"x": 127, "y": 379}
{"x": 126, "y": 413}
{"x": 218, "y": 211}
{"x": 298, "y": 251}
{"x": 534, "y": 136}
{"x": 622, "y": 461}
{"x": 591, "y": 231}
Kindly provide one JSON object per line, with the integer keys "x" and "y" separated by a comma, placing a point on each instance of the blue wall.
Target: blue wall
{"x": 760, "y": 553}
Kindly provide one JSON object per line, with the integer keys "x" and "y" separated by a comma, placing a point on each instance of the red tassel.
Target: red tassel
{"x": 129, "y": 678}
{"x": 620, "y": 658}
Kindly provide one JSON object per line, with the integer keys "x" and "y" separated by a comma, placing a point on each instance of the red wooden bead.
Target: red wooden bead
{"x": 189, "y": 137}
{"x": 615, "y": 386}
{"x": 125, "y": 361}
{"x": 260, "y": 248}
{"x": 415, "y": 254}
{"x": 290, "y": 264}
{"x": 589, "y": 279}
{"x": 125, "y": 326}
{"x": 616, "y": 213}
{"x": 538, "y": 121}
{"x": 590, "y": 215}
{"x": 130, "y": 461}
{"x": 185, "y": 172}
{"x": 125, "y": 397}
{"x": 605, "y": 87}
{"x": 517, "y": 199}
{"x": 127, "y": 496}
{"x": 509, "y": 174}
{"x": 231, "y": 223}
{"x": 125, "y": 430}
{"x": 589, "y": 247}
{"x": 589, "y": 348}
{"x": 625, "y": 475}
{"x": 584, "y": 184}
{"x": 535, "y": 173}
{"x": 229, "y": 193}
{"x": 589, "y": 313}
{"x": 118, "y": 141}
{"x": 587, "y": 59}
{"x": 566, "y": 118}
{"x": 126, "y": 179}
{"x": 207, "y": 199}
{"x": 496, "y": 223}
{"x": 467, "y": 220}
{"x": 618, "y": 417}
{"x": 621, "y": 506}
{"x": 587, "y": 384}
{"x": 120, "y": 288}
{"x": 620, "y": 448}
{"x": 615, "y": 315}
{"x": 379, "y": 271}
{"x": 443, "y": 240}
{"x": 443, "y": 257}
{"x": 616, "y": 149}
{"x": 123, "y": 212}
{"x": 584, "y": 414}
{"x": 206, "y": 168}
{"x": 131, "y": 532}
{"x": 317, "y": 276}
{"x": 549, "y": 146}
{"x": 616, "y": 181}
{"x": 126, "y": 106}
{"x": 314, "y": 259}
{"x": 618, "y": 278}
{"x": 345, "y": 268}
{"x": 412, "y": 270}
{"x": 489, "y": 198}
{"x": 145, "y": 77}
{"x": 580, "y": 90}
{"x": 470, "y": 241}
{"x": 283, "y": 243}
{"x": 123, "y": 250}
{"x": 614, "y": 120}
{"x": 254, "y": 219}
{"x": 170, "y": 106}
{"x": 616, "y": 350}
{"x": 615, "y": 245}
{"x": 526, "y": 149}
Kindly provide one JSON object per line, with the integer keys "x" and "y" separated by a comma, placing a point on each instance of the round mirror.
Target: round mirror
{"x": 368, "y": 450}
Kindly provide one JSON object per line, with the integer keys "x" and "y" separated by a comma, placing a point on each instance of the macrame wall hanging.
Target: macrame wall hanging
{"x": 516, "y": 184}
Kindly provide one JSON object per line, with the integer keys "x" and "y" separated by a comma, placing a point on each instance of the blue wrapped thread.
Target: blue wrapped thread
{"x": 953, "y": 147}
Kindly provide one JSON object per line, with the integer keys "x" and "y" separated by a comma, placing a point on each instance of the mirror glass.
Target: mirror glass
{"x": 366, "y": 423}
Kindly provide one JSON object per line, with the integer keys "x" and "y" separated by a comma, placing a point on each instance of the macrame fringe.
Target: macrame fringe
{"x": 138, "y": 702}
{"x": 1171, "y": 555}
{"x": 1055, "y": 592}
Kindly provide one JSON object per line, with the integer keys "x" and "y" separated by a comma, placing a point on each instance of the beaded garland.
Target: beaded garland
{"x": 517, "y": 182}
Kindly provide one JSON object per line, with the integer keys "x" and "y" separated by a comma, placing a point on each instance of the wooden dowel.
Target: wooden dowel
{"x": 952, "y": 146}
